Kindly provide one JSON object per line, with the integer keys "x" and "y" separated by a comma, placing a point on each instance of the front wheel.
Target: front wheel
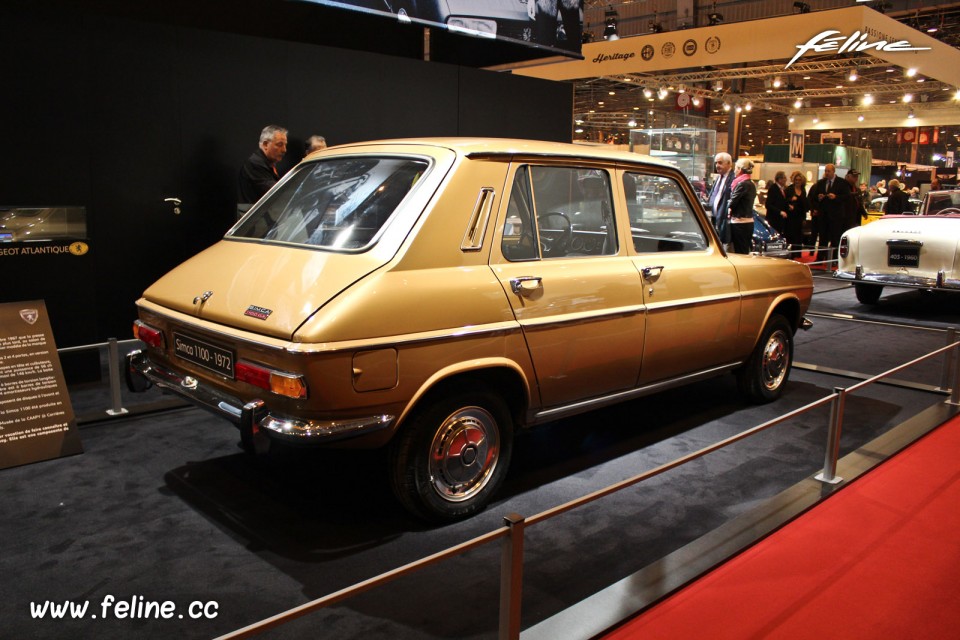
{"x": 452, "y": 455}
{"x": 868, "y": 293}
{"x": 764, "y": 374}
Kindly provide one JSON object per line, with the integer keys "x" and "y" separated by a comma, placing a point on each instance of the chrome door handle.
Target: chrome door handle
{"x": 525, "y": 285}
{"x": 651, "y": 272}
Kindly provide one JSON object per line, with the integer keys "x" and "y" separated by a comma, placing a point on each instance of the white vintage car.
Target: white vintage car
{"x": 912, "y": 251}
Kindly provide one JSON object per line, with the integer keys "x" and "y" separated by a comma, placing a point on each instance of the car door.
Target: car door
{"x": 691, "y": 290}
{"x": 574, "y": 291}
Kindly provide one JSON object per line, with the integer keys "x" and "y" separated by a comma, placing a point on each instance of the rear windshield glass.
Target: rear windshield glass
{"x": 340, "y": 203}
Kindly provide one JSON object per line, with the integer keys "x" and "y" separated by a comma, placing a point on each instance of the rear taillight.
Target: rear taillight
{"x": 279, "y": 382}
{"x": 844, "y": 247}
{"x": 147, "y": 334}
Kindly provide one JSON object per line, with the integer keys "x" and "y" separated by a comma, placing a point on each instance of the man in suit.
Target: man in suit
{"x": 720, "y": 196}
{"x": 827, "y": 199}
{"x": 777, "y": 202}
{"x": 259, "y": 173}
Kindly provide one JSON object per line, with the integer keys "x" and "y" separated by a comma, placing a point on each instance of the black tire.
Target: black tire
{"x": 868, "y": 293}
{"x": 765, "y": 373}
{"x": 452, "y": 455}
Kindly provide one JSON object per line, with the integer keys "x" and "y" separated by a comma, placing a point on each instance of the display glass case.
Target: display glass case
{"x": 689, "y": 149}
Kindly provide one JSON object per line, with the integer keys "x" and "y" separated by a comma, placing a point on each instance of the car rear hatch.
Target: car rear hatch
{"x": 267, "y": 289}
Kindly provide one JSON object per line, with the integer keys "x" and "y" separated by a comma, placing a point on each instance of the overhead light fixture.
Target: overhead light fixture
{"x": 801, "y": 7}
{"x": 662, "y": 93}
{"x": 748, "y": 106}
{"x": 853, "y": 75}
{"x": 867, "y": 99}
{"x": 907, "y": 97}
{"x": 610, "y": 30}
{"x": 715, "y": 18}
{"x": 911, "y": 72}
{"x": 911, "y": 115}
{"x": 777, "y": 82}
{"x": 797, "y": 103}
{"x": 739, "y": 109}
{"x": 647, "y": 92}
{"x": 956, "y": 96}
{"x": 816, "y": 119}
{"x": 718, "y": 85}
{"x": 631, "y": 123}
{"x": 860, "y": 118}
{"x": 696, "y": 101}
{"x": 726, "y": 106}
{"x": 791, "y": 119}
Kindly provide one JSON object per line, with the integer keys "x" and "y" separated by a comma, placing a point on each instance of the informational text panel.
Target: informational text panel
{"x": 36, "y": 419}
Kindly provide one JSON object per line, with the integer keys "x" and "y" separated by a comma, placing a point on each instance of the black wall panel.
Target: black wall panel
{"x": 116, "y": 114}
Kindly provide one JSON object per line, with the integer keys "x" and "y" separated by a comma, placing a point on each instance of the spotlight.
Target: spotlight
{"x": 853, "y": 75}
{"x": 715, "y": 19}
{"x": 797, "y": 103}
{"x": 726, "y": 106}
{"x": 911, "y": 115}
{"x": 860, "y": 118}
{"x": 911, "y": 72}
{"x": 777, "y": 82}
{"x": 632, "y": 123}
{"x": 718, "y": 85}
{"x": 801, "y": 7}
{"x": 907, "y": 97}
{"x": 867, "y": 100}
{"x": 748, "y": 106}
{"x": 647, "y": 92}
{"x": 656, "y": 27}
{"x": 816, "y": 119}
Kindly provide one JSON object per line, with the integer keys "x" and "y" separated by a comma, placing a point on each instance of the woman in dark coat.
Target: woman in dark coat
{"x": 797, "y": 207}
{"x": 743, "y": 193}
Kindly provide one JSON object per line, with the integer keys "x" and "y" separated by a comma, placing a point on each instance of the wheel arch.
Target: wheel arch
{"x": 501, "y": 375}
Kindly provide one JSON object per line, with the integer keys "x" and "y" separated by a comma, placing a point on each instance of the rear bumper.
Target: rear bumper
{"x": 253, "y": 418}
{"x": 940, "y": 282}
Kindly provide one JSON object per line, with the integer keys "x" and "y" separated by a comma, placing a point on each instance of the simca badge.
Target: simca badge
{"x": 260, "y": 313}
{"x": 30, "y": 316}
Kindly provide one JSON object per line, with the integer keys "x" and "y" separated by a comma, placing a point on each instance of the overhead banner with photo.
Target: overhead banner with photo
{"x": 553, "y": 25}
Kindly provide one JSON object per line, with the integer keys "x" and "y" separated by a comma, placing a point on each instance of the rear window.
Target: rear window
{"x": 339, "y": 203}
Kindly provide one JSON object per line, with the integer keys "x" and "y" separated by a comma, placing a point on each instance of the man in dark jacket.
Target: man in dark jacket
{"x": 897, "y": 201}
{"x": 720, "y": 195}
{"x": 827, "y": 198}
{"x": 259, "y": 172}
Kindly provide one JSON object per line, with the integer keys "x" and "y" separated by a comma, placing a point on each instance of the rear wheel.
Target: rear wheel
{"x": 868, "y": 293}
{"x": 452, "y": 455}
{"x": 763, "y": 376}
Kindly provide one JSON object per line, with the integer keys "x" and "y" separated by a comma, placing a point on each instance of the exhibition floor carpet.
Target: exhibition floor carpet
{"x": 879, "y": 559}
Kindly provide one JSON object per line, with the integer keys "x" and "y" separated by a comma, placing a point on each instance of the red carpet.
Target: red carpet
{"x": 879, "y": 559}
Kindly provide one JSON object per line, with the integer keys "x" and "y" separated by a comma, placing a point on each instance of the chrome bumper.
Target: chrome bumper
{"x": 252, "y": 418}
{"x": 940, "y": 282}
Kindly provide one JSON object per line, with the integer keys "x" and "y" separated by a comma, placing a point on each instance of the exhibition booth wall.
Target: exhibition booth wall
{"x": 117, "y": 115}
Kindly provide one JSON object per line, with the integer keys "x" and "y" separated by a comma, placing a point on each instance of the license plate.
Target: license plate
{"x": 903, "y": 256}
{"x": 204, "y": 354}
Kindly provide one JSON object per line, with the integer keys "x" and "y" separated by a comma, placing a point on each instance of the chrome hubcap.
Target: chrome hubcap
{"x": 776, "y": 358}
{"x": 464, "y": 453}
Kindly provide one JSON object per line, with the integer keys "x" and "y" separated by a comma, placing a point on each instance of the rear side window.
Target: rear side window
{"x": 661, "y": 218}
{"x": 559, "y": 212}
{"x": 340, "y": 203}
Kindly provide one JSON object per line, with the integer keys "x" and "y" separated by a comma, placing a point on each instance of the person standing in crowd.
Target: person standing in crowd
{"x": 777, "y": 212}
{"x": 720, "y": 196}
{"x": 314, "y": 143}
{"x": 259, "y": 172}
{"x": 742, "y": 195}
{"x": 797, "y": 207}
{"x": 935, "y": 184}
{"x": 897, "y": 201}
{"x": 855, "y": 207}
{"x": 828, "y": 203}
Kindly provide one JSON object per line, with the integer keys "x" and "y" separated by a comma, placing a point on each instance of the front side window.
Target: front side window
{"x": 661, "y": 218}
{"x": 559, "y": 212}
{"x": 339, "y": 203}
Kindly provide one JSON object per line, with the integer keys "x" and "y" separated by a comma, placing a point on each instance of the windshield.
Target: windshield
{"x": 340, "y": 203}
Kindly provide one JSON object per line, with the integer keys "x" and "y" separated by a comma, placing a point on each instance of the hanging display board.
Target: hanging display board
{"x": 36, "y": 418}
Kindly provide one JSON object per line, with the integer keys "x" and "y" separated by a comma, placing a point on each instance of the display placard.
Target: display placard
{"x": 36, "y": 418}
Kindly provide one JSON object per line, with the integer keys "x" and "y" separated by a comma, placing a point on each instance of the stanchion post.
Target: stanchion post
{"x": 511, "y": 577}
{"x": 955, "y": 387}
{"x": 948, "y": 361}
{"x": 113, "y": 357}
{"x": 832, "y": 454}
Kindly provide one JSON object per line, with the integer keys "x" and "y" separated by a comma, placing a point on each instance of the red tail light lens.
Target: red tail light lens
{"x": 284, "y": 384}
{"x": 844, "y": 247}
{"x": 147, "y": 334}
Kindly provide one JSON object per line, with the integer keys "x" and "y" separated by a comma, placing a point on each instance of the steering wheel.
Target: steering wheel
{"x": 555, "y": 246}
{"x": 948, "y": 211}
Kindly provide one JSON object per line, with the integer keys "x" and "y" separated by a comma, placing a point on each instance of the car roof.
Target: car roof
{"x": 490, "y": 147}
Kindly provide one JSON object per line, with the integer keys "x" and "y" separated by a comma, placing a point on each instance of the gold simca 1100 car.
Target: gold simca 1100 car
{"x": 435, "y": 296}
